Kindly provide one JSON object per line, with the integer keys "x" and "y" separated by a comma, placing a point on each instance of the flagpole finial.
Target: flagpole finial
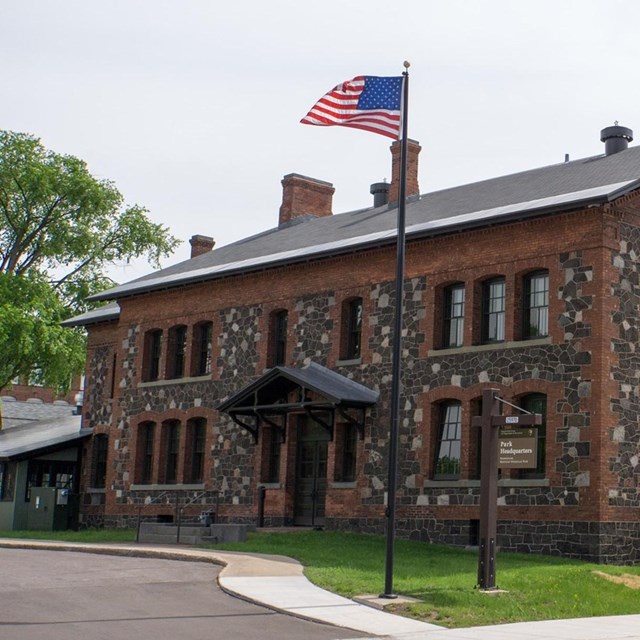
{"x": 406, "y": 64}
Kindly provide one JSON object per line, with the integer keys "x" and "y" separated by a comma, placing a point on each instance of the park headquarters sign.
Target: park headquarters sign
{"x": 517, "y": 447}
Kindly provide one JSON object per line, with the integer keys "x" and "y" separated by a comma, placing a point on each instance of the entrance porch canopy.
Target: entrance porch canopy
{"x": 314, "y": 389}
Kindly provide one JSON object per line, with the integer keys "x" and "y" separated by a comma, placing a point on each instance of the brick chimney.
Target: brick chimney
{"x": 304, "y": 196}
{"x": 201, "y": 244}
{"x": 413, "y": 149}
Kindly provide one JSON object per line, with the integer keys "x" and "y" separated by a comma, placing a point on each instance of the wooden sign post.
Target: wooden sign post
{"x": 495, "y": 449}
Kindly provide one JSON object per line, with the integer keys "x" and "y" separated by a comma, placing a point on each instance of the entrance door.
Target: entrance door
{"x": 311, "y": 473}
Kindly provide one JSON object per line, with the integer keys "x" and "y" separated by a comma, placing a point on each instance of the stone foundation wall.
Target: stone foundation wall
{"x": 600, "y": 542}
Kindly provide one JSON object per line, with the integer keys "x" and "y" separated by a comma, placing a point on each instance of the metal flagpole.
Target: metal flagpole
{"x": 397, "y": 348}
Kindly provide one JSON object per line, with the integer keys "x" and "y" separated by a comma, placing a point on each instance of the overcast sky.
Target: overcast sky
{"x": 192, "y": 107}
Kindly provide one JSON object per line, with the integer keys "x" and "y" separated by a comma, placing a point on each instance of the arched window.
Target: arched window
{"x": 493, "y": 310}
{"x": 170, "y": 450}
{"x": 271, "y": 451}
{"x": 202, "y": 348}
{"x": 453, "y": 315}
{"x": 351, "y": 341}
{"x": 194, "y": 459}
{"x": 177, "y": 351}
{"x": 145, "y": 452}
{"x": 152, "y": 354}
{"x": 475, "y": 442}
{"x": 278, "y": 324}
{"x": 447, "y": 450}
{"x": 535, "y": 305}
{"x": 537, "y": 403}
{"x": 100, "y": 452}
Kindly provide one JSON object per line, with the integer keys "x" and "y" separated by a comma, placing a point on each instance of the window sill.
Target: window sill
{"x": 270, "y": 485}
{"x": 168, "y": 381}
{"x": 470, "y": 484}
{"x": 494, "y": 346}
{"x": 167, "y": 487}
{"x": 343, "y": 485}
{"x": 346, "y": 363}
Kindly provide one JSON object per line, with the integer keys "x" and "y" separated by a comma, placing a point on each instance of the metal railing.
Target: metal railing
{"x": 149, "y": 501}
{"x": 179, "y": 508}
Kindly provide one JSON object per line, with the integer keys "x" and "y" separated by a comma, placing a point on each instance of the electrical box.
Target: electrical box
{"x": 50, "y": 509}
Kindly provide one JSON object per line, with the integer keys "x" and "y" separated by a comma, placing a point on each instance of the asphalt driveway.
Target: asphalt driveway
{"x": 64, "y": 595}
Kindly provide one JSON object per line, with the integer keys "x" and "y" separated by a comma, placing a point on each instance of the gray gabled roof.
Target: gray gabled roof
{"x": 105, "y": 313}
{"x": 543, "y": 191}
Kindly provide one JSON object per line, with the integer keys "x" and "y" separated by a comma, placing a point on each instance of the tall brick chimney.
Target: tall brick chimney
{"x": 304, "y": 196}
{"x": 201, "y": 244}
{"x": 413, "y": 149}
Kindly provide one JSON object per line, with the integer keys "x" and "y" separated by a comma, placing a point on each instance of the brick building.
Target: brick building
{"x": 266, "y": 363}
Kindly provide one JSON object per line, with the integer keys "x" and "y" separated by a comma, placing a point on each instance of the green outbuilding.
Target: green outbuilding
{"x": 39, "y": 467}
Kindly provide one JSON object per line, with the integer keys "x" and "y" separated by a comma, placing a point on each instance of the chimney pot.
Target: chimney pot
{"x": 201, "y": 244}
{"x": 615, "y": 139}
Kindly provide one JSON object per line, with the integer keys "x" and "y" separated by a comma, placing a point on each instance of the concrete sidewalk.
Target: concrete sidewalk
{"x": 278, "y": 583}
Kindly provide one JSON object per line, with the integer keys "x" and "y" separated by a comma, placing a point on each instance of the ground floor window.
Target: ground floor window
{"x": 537, "y": 403}
{"x": 346, "y": 462}
{"x": 7, "y": 480}
{"x": 100, "y": 450}
{"x": 171, "y": 452}
{"x": 146, "y": 434}
{"x": 171, "y": 435}
{"x": 51, "y": 473}
{"x": 274, "y": 453}
{"x": 197, "y": 434}
{"x": 447, "y": 461}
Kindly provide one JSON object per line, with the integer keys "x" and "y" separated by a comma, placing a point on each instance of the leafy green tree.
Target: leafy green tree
{"x": 60, "y": 229}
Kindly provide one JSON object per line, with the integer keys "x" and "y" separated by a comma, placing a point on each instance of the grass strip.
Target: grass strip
{"x": 444, "y": 578}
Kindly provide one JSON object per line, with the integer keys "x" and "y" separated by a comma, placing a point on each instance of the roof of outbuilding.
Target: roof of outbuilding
{"x": 35, "y": 428}
{"x": 536, "y": 192}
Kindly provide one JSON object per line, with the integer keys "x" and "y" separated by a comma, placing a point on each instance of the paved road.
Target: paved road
{"x": 65, "y": 595}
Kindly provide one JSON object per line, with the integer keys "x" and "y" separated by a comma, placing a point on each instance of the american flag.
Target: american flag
{"x": 371, "y": 103}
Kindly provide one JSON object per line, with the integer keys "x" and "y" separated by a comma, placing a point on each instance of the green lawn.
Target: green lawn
{"x": 442, "y": 578}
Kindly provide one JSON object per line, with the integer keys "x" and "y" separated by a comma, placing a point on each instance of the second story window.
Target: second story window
{"x": 493, "y": 310}
{"x": 152, "y": 354}
{"x": 536, "y": 305}
{"x": 202, "y": 348}
{"x": 453, "y": 320}
{"x": 278, "y": 338}
{"x": 177, "y": 351}
{"x": 352, "y": 324}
